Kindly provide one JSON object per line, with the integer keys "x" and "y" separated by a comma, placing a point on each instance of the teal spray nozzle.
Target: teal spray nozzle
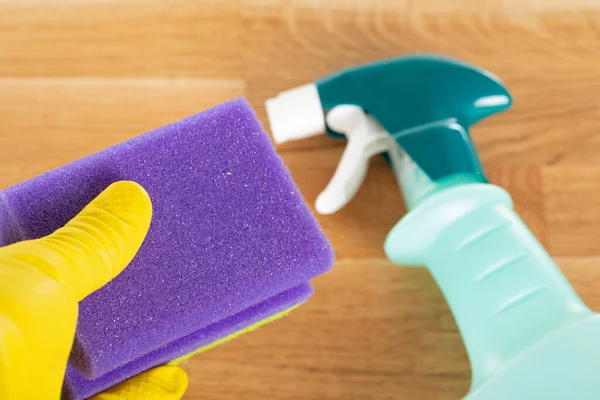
{"x": 527, "y": 333}
{"x": 420, "y": 100}
{"x": 423, "y": 100}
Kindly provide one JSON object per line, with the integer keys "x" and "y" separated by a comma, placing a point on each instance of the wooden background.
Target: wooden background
{"x": 77, "y": 76}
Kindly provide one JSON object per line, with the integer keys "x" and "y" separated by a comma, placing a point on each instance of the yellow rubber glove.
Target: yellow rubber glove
{"x": 41, "y": 283}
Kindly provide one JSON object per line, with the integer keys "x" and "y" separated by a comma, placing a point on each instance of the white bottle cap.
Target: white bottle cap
{"x": 296, "y": 114}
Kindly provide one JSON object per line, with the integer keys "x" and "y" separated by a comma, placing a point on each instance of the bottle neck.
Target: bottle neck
{"x": 416, "y": 186}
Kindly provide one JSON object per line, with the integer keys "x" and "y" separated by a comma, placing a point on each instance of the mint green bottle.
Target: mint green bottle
{"x": 527, "y": 333}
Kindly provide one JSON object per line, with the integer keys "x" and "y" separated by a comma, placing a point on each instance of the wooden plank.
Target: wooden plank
{"x": 48, "y": 122}
{"x": 584, "y": 274}
{"x": 165, "y": 38}
{"x": 571, "y": 196}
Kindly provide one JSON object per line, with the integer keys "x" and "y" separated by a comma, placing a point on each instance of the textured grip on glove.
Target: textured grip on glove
{"x": 162, "y": 383}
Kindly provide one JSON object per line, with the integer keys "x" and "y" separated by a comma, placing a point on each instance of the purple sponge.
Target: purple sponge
{"x": 231, "y": 242}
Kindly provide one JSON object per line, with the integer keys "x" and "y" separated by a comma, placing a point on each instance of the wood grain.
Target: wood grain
{"x": 572, "y": 201}
{"x": 120, "y": 38}
{"x": 79, "y": 75}
{"x": 47, "y": 122}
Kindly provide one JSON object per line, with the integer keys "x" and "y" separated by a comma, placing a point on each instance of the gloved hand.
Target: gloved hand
{"x": 41, "y": 283}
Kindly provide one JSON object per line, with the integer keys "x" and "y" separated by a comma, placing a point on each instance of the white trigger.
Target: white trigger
{"x": 366, "y": 138}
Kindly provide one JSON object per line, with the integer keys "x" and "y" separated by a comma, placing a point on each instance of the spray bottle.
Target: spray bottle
{"x": 527, "y": 333}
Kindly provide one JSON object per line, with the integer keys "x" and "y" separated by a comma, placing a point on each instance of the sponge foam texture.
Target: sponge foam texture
{"x": 230, "y": 231}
